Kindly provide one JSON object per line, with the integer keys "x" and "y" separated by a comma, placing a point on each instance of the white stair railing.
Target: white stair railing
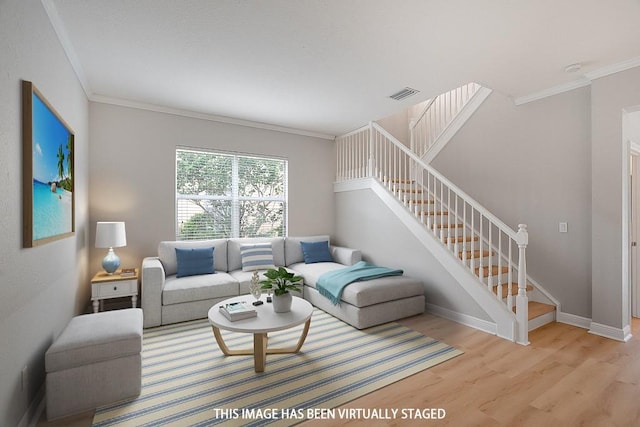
{"x": 491, "y": 250}
{"x": 436, "y": 116}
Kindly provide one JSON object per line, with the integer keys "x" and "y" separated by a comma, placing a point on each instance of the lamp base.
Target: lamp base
{"x": 110, "y": 262}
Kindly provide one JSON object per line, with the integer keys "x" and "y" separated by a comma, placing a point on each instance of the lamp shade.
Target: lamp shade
{"x": 110, "y": 235}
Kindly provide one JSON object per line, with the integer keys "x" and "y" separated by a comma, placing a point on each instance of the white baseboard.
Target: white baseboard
{"x": 464, "y": 319}
{"x": 610, "y": 332}
{"x": 573, "y": 320}
{"x": 34, "y": 411}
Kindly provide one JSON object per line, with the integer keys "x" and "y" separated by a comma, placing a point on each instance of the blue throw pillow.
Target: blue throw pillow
{"x": 316, "y": 252}
{"x": 194, "y": 261}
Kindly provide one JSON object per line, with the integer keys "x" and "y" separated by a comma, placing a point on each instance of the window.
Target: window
{"x": 228, "y": 195}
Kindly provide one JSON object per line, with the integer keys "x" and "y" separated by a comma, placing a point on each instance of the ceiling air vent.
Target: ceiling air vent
{"x": 404, "y": 93}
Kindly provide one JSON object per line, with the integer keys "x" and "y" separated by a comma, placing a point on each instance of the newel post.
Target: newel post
{"x": 522, "y": 302}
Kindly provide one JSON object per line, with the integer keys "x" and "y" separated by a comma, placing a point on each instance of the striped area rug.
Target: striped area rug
{"x": 187, "y": 381}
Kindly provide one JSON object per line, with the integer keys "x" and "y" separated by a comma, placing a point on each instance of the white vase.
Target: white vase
{"x": 282, "y": 303}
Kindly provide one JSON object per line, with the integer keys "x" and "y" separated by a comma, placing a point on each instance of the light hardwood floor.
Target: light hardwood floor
{"x": 566, "y": 377}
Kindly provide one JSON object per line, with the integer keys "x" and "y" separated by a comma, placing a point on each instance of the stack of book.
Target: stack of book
{"x": 237, "y": 311}
{"x": 127, "y": 272}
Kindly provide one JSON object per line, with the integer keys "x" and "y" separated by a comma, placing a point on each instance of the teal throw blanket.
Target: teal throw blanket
{"x": 332, "y": 283}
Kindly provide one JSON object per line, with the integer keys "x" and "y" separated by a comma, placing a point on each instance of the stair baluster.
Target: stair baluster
{"x": 436, "y": 115}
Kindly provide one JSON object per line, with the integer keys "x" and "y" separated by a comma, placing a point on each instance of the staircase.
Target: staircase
{"x": 483, "y": 254}
{"x": 442, "y": 116}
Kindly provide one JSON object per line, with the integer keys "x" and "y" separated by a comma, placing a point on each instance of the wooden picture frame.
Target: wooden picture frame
{"x": 48, "y": 196}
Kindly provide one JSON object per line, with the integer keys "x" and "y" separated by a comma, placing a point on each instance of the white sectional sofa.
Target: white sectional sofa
{"x": 167, "y": 298}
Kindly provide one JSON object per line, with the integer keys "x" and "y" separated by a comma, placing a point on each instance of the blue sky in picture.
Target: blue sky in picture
{"x": 48, "y": 135}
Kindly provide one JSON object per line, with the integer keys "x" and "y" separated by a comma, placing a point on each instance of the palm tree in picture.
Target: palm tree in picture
{"x": 69, "y": 157}
{"x": 60, "y": 162}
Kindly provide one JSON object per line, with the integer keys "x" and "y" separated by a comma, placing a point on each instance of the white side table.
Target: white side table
{"x": 104, "y": 286}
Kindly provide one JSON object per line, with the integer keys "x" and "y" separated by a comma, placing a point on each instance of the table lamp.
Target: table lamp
{"x": 110, "y": 235}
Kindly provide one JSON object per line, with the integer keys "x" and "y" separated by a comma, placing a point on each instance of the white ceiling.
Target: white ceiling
{"x": 328, "y": 66}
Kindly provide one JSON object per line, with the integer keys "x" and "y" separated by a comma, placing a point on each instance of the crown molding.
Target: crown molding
{"x": 67, "y": 46}
{"x": 63, "y": 38}
{"x": 555, "y": 90}
{"x": 584, "y": 80}
{"x": 204, "y": 116}
{"x": 613, "y": 69}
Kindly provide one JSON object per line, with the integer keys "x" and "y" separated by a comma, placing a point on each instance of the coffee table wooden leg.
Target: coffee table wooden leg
{"x": 298, "y": 345}
{"x": 303, "y": 337}
{"x": 259, "y": 351}
{"x": 223, "y": 346}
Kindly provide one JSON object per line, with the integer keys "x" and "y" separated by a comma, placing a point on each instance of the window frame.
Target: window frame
{"x": 234, "y": 197}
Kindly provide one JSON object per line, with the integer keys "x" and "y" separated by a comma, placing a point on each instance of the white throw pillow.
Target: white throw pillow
{"x": 258, "y": 256}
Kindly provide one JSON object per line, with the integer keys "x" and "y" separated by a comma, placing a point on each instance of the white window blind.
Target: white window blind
{"x": 229, "y": 195}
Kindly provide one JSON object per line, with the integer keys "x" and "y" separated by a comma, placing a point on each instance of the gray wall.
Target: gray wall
{"x": 609, "y": 95}
{"x": 43, "y": 287}
{"x": 398, "y": 126}
{"x": 557, "y": 159}
{"x": 132, "y": 176}
{"x": 363, "y": 221}
{"x": 531, "y": 164}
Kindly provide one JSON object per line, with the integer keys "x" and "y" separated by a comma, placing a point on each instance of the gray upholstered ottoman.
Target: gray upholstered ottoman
{"x": 96, "y": 360}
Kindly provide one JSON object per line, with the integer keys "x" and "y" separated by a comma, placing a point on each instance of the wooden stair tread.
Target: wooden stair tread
{"x": 421, "y": 201}
{"x": 399, "y": 181}
{"x": 452, "y": 226}
{"x": 537, "y": 309}
{"x": 475, "y": 254}
{"x": 494, "y": 270}
{"x": 433, "y": 213}
{"x": 460, "y": 239}
{"x": 410, "y": 190}
{"x": 514, "y": 289}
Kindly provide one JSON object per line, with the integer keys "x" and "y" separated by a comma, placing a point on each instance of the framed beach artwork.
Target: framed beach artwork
{"x": 47, "y": 182}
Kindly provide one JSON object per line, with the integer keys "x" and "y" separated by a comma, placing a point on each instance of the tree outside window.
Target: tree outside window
{"x": 228, "y": 195}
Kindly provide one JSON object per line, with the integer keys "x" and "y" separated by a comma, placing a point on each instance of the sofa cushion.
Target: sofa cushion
{"x": 167, "y": 253}
{"x": 194, "y": 288}
{"x": 244, "y": 278}
{"x": 293, "y": 249}
{"x": 193, "y": 261}
{"x": 316, "y": 252}
{"x": 384, "y": 289}
{"x": 364, "y": 293}
{"x": 311, "y": 272}
{"x": 235, "y": 259}
{"x": 258, "y": 256}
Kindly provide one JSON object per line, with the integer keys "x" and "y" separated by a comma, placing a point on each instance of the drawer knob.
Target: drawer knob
{"x": 115, "y": 288}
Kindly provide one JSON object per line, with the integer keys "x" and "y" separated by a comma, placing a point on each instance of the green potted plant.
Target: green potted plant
{"x": 281, "y": 282}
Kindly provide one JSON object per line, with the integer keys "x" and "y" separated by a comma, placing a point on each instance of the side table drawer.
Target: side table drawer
{"x": 115, "y": 289}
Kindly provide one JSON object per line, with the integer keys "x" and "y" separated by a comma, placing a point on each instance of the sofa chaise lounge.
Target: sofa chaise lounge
{"x": 167, "y": 298}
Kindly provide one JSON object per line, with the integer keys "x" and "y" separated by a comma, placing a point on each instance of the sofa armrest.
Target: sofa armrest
{"x": 345, "y": 256}
{"x": 152, "y": 284}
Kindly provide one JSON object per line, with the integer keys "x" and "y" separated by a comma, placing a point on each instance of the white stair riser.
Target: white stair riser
{"x": 529, "y": 295}
{"x": 539, "y": 321}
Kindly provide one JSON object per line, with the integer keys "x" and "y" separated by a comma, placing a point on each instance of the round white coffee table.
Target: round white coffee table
{"x": 266, "y": 321}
